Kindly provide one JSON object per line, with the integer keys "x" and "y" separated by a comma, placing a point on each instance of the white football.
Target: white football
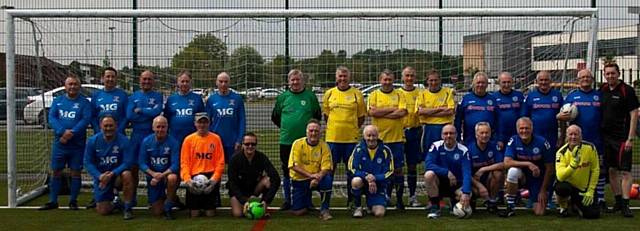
{"x": 461, "y": 212}
{"x": 571, "y": 109}
{"x": 200, "y": 182}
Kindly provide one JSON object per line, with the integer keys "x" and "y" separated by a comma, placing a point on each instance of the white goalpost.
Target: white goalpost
{"x": 15, "y": 198}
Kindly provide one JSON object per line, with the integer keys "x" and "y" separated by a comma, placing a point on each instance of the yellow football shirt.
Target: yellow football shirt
{"x": 584, "y": 176}
{"x": 391, "y": 130}
{"x": 343, "y": 108}
{"x": 312, "y": 159}
{"x": 442, "y": 98}
{"x": 410, "y": 97}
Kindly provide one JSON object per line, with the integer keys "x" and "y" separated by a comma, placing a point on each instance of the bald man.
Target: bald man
{"x": 588, "y": 101}
{"x": 160, "y": 161}
{"x": 371, "y": 164}
{"x": 576, "y": 162}
{"x": 448, "y": 172}
{"x": 226, "y": 110}
{"x": 142, "y": 107}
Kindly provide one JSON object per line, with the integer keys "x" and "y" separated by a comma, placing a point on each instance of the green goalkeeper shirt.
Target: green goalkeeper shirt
{"x": 292, "y": 112}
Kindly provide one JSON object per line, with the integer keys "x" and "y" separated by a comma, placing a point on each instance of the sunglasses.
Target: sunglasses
{"x": 250, "y": 144}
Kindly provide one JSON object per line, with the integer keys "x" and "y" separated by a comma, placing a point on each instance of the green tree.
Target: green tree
{"x": 204, "y": 56}
{"x": 247, "y": 67}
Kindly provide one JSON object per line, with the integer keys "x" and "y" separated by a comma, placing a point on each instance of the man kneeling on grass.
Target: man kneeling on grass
{"x": 107, "y": 158}
{"x": 371, "y": 164}
{"x": 577, "y": 168}
{"x": 310, "y": 164}
{"x": 251, "y": 174}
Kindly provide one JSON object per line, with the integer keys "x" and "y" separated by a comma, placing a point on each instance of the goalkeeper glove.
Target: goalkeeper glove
{"x": 587, "y": 198}
{"x": 576, "y": 160}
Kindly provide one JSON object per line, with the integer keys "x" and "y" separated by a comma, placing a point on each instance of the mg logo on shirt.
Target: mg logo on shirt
{"x": 184, "y": 111}
{"x": 109, "y": 107}
{"x": 225, "y": 111}
{"x": 159, "y": 160}
{"x": 67, "y": 114}
{"x": 206, "y": 155}
{"x": 107, "y": 160}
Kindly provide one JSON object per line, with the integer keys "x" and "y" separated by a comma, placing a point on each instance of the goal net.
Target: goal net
{"x": 258, "y": 48}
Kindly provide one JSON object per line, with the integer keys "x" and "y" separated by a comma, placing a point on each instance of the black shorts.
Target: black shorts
{"x": 203, "y": 201}
{"x": 615, "y": 156}
{"x": 445, "y": 189}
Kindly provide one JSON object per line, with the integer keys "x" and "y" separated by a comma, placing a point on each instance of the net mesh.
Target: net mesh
{"x": 253, "y": 51}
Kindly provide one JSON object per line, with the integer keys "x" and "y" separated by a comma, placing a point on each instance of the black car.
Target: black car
{"x": 21, "y": 100}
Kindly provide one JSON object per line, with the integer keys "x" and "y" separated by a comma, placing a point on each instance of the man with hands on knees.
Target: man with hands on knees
{"x": 448, "y": 172}
{"x": 576, "y": 170}
{"x": 371, "y": 164}
{"x": 529, "y": 161}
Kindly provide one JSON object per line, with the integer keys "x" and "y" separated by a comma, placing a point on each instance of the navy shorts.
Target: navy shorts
{"x": 430, "y": 133}
{"x": 63, "y": 157}
{"x": 378, "y": 198}
{"x": 158, "y": 192}
{"x": 398, "y": 154}
{"x": 106, "y": 193}
{"x": 412, "y": 151}
{"x": 340, "y": 152}
{"x": 302, "y": 191}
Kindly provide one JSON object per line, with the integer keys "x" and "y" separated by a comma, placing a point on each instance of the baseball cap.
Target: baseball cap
{"x": 201, "y": 115}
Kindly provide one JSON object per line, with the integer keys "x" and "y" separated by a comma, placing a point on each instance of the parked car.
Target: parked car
{"x": 35, "y": 112}
{"x": 22, "y": 94}
{"x": 269, "y": 93}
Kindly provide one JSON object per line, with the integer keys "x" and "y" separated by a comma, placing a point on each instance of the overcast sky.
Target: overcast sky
{"x": 65, "y": 40}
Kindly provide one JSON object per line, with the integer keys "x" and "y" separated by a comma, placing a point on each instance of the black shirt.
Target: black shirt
{"x": 616, "y": 105}
{"x": 244, "y": 176}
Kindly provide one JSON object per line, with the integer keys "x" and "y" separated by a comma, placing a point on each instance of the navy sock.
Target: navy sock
{"x": 435, "y": 201}
{"x": 326, "y": 199}
{"x": 168, "y": 205}
{"x": 54, "y": 188}
{"x": 511, "y": 200}
{"x": 399, "y": 184}
{"x": 76, "y": 183}
{"x": 286, "y": 189}
{"x": 412, "y": 182}
{"x": 357, "y": 195}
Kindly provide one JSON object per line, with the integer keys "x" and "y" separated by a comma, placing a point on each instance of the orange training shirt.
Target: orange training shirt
{"x": 202, "y": 155}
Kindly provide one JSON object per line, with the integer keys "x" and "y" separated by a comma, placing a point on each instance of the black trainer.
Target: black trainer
{"x": 49, "y": 206}
{"x": 562, "y": 212}
{"x": 616, "y": 207}
{"x": 168, "y": 215}
{"x": 626, "y": 211}
{"x": 509, "y": 212}
{"x": 91, "y": 204}
{"x": 492, "y": 208}
{"x": 178, "y": 204}
{"x": 603, "y": 207}
{"x": 128, "y": 215}
{"x": 285, "y": 206}
{"x": 73, "y": 205}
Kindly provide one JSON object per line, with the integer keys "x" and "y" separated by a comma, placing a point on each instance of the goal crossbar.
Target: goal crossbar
{"x": 12, "y": 14}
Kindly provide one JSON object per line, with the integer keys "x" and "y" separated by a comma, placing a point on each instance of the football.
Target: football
{"x": 200, "y": 182}
{"x": 571, "y": 109}
{"x": 633, "y": 193}
{"x": 461, "y": 212}
{"x": 255, "y": 210}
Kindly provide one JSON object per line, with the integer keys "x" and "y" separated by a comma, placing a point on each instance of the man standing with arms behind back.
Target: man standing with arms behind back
{"x": 619, "y": 118}
{"x": 293, "y": 109}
